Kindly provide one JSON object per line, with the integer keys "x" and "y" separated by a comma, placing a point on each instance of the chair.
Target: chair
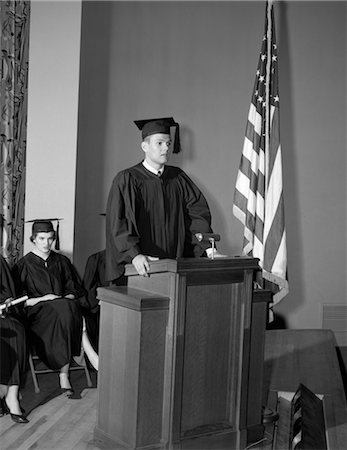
{"x": 34, "y": 361}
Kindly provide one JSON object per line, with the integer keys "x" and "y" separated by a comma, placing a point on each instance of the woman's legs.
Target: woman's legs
{"x": 10, "y": 404}
{"x": 12, "y": 399}
{"x": 64, "y": 377}
{"x": 56, "y": 344}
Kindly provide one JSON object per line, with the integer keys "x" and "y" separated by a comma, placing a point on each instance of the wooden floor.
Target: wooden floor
{"x": 57, "y": 422}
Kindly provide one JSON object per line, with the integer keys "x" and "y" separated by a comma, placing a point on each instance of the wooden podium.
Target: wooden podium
{"x": 181, "y": 356}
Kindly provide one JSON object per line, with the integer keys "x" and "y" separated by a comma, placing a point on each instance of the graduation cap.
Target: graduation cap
{"x": 46, "y": 226}
{"x": 161, "y": 125}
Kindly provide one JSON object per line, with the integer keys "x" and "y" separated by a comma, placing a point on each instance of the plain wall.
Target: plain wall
{"x": 196, "y": 61}
{"x": 54, "y": 50}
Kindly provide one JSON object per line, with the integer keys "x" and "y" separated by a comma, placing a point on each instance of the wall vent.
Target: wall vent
{"x": 334, "y": 317}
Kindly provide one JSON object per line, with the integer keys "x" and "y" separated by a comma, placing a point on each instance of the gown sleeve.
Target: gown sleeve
{"x": 198, "y": 215}
{"x": 94, "y": 277}
{"x": 8, "y": 288}
{"x": 122, "y": 237}
{"x": 7, "y": 285}
{"x": 18, "y": 274}
{"x": 72, "y": 282}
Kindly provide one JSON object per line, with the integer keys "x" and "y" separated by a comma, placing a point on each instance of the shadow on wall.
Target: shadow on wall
{"x": 94, "y": 96}
{"x": 290, "y": 175}
{"x": 220, "y": 216}
{"x": 279, "y": 323}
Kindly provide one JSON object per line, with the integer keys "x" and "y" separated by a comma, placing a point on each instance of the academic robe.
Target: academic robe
{"x": 94, "y": 277}
{"x": 154, "y": 216}
{"x": 13, "y": 348}
{"x": 54, "y": 326}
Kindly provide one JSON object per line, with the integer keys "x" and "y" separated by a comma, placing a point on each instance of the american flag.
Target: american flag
{"x": 258, "y": 196}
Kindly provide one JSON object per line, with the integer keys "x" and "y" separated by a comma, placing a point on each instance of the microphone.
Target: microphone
{"x": 210, "y": 237}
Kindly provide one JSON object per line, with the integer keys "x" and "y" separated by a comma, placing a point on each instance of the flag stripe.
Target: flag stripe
{"x": 274, "y": 236}
{"x": 274, "y": 138}
{"x": 273, "y": 194}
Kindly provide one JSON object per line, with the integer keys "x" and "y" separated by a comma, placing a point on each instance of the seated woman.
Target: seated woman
{"x": 13, "y": 351}
{"x": 52, "y": 314}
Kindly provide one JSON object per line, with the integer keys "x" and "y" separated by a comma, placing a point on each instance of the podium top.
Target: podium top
{"x": 180, "y": 265}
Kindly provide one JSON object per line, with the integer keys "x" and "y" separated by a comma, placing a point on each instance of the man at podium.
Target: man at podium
{"x": 154, "y": 210}
{"x": 180, "y": 362}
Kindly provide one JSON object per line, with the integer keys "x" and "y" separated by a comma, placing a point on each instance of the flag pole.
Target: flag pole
{"x": 259, "y": 276}
{"x": 267, "y": 91}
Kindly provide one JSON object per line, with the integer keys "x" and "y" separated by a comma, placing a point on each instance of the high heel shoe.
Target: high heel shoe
{"x": 65, "y": 386}
{"x": 68, "y": 392}
{"x": 18, "y": 418}
{"x": 4, "y": 409}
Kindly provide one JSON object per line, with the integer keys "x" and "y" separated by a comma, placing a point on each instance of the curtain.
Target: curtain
{"x": 14, "y": 40}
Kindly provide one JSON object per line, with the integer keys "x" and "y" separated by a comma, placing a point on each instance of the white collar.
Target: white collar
{"x": 151, "y": 169}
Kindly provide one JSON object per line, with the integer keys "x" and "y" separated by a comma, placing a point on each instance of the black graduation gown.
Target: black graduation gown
{"x": 13, "y": 350}
{"x": 94, "y": 277}
{"x": 155, "y": 216}
{"x": 54, "y": 327}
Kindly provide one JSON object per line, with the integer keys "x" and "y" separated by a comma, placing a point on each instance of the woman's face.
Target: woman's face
{"x": 43, "y": 241}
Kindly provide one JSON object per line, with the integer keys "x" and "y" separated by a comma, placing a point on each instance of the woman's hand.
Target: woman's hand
{"x": 44, "y": 298}
{"x": 49, "y": 297}
{"x": 5, "y": 306}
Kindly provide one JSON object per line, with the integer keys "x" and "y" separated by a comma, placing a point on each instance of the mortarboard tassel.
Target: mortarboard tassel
{"x": 177, "y": 144}
{"x": 57, "y": 240}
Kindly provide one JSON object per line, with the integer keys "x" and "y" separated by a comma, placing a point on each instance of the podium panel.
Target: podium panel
{"x": 205, "y": 390}
{"x": 176, "y": 358}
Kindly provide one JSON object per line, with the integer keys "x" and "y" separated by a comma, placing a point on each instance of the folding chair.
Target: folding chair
{"x": 35, "y": 363}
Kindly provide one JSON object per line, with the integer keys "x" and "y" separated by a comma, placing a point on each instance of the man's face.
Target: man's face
{"x": 157, "y": 148}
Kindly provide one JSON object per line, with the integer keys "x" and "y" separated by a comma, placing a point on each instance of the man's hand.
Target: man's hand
{"x": 141, "y": 264}
{"x": 214, "y": 254}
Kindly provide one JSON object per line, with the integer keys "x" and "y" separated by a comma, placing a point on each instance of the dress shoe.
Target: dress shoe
{"x": 18, "y": 418}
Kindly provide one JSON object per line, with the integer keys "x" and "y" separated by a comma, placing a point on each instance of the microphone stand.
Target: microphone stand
{"x": 213, "y": 245}
{"x": 208, "y": 237}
